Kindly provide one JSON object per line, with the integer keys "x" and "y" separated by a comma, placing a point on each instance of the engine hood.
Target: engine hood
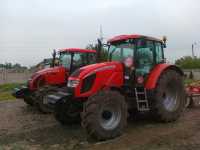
{"x": 50, "y": 70}
{"x": 90, "y": 69}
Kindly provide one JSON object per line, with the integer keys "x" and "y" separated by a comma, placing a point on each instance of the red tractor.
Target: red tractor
{"x": 48, "y": 80}
{"x": 136, "y": 79}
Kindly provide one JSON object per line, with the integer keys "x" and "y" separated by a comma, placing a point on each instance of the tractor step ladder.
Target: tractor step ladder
{"x": 141, "y": 99}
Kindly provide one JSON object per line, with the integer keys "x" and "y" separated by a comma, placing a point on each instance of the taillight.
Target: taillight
{"x": 140, "y": 80}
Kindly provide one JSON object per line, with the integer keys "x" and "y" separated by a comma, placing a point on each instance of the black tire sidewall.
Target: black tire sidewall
{"x": 61, "y": 115}
{"x": 169, "y": 77}
{"x": 92, "y": 109}
{"x": 44, "y": 108}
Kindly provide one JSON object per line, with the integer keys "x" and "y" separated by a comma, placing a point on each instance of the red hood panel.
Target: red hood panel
{"x": 115, "y": 65}
{"x": 48, "y": 70}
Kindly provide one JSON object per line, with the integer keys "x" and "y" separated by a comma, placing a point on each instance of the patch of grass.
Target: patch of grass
{"x": 6, "y": 96}
{"x": 9, "y": 86}
{"x": 6, "y": 89}
{"x": 188, "y": 81}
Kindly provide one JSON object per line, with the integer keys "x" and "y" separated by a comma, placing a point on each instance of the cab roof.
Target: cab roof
{"x": 131, "y": 36}
{"x": 79, "y": 50}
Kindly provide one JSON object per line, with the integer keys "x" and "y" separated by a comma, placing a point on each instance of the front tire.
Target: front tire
{"x": 29, "y": 101}
{"x": 169, "y": 96}
{"x": 67, "y": 111}
{"x": 42, "y": 103}
{"x": 105, "y": 115}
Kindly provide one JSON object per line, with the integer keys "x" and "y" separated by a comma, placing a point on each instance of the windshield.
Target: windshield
{"x": 121, "y": 50}
{"x": 79, "y": 59}
{"x": 82, "y": 59}
{"x": 65, "y": 59}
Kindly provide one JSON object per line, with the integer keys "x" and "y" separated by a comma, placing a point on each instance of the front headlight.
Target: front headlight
{"x": 73, "y": 83}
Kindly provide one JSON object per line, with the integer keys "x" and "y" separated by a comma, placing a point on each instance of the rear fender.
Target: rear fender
{"x": 156, "y": 73}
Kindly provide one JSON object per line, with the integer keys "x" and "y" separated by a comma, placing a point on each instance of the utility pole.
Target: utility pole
{"x": 193, "y": 50}
{"x": 101, "y": 34}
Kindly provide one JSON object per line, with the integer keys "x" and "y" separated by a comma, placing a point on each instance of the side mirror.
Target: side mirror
{"x": 164, "y": 45}
{"x": 164, "y": 39}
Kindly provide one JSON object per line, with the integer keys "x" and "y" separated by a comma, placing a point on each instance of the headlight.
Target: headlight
{"x": 73, "y": 83}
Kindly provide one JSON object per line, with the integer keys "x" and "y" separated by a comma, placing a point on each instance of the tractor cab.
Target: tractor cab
{"x": 139, "y": 54}
{"x": 74, "y": 58}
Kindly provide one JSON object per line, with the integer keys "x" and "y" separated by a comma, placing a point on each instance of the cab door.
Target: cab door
{"x": 145, "y": 57}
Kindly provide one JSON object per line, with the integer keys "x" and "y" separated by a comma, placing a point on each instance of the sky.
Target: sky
{"x": 31, "y": 29}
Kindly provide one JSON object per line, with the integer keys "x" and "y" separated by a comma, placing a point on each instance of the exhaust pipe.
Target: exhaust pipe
{"x": 99, "y": 49}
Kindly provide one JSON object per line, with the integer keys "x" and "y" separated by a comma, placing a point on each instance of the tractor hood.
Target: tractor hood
{"x": 90, "y": 69}
{"x": 49, "y": 76}
{"x": 46, "y": 71}
{"x": 50, "y": 70}
{"x": 90, "y": 79}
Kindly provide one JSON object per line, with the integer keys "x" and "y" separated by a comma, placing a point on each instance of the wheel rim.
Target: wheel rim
{"x": 110, "y": 118}
{"x": 45, "y": 100}
{"x": 170, "y": 101}
{"x": 171, "y": 96}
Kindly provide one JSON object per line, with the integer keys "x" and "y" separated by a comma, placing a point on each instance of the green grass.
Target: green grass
{"x": 6, "y": 96}
{"x": 6, "y": 89}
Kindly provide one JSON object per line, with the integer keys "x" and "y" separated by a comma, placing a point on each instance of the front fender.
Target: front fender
{"x": 34, "y": 83}
{"x": 156, "y": 72}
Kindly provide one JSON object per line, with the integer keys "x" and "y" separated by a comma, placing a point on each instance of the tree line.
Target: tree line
{"x": 16, "y": 66}
{"x": 188, "y": 62}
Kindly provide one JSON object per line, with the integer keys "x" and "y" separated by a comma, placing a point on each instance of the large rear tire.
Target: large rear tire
{"x": 105, "y": 115}
{"x": 169, "y": 96}
{"x": 67, "y": 112}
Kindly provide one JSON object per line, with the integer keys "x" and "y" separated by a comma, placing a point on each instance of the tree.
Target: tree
{"x": 187, "y": 62}
{"x": 13, "y": 66}
{"x": 104, "y": 51}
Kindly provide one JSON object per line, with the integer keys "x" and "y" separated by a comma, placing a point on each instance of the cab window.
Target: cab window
{"x": 121, "y": 51}
{"x": 145, "y": 56}
{"x": 159, "y": 52}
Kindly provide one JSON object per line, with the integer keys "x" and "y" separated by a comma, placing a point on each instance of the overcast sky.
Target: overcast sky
{"x": 30, "y": 29}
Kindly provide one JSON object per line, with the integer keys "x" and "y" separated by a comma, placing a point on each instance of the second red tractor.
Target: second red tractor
{"x": 49, "y": 80}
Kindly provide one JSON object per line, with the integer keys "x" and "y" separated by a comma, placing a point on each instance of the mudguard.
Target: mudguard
{"x": 156, "y": 72}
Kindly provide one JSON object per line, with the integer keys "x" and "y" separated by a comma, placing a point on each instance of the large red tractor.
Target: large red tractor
{"x": 137, "y": 79}
{"x": 48, "y": 80}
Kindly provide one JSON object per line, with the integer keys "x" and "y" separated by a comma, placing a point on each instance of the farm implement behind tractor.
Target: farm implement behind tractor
{"x": 193, "y": 92}
{"x": 49, "y": 80}
{"x": 135, "y": 79}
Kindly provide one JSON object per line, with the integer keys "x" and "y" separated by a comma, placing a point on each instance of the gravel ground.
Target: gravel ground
{"x": 23, "y": 127}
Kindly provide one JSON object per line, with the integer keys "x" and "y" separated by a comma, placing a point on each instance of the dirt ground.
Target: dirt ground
{"x": 22, "y": 127}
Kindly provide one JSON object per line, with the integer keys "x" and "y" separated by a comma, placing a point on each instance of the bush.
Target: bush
{"x": 188, "y": 62}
